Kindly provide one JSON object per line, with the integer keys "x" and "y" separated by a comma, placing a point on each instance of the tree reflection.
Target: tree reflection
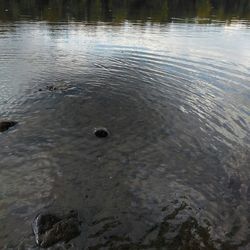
{"x": 120, "y": 10}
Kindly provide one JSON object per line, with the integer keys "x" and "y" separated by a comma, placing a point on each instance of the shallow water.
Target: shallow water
{"x": 174, "y": 172}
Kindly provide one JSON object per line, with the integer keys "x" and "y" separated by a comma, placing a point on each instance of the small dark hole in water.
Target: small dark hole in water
{"x": 101, "y": 132}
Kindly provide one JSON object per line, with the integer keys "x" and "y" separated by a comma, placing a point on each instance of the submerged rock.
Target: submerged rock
{"x": 5, "y": 125}
{"x": 64, "y": 230}
{"x": 42, "y": 223}
{"x": 51, "y": 88}
{"x": 50, "y": 229}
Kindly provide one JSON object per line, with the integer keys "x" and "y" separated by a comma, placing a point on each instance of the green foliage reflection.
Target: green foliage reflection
{"x": 120, "y": 10}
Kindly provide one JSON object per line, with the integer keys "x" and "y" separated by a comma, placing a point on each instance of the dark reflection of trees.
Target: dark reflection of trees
{"x": 120, "y": 10}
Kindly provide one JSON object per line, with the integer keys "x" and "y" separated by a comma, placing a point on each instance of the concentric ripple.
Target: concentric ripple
{"x": 174, "y": 171}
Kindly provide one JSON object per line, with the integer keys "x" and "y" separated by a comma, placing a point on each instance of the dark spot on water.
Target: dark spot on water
{"x": 5, "y": 125}
{"x": 101, "y": 132}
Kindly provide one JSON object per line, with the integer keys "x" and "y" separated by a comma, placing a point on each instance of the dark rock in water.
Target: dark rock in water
{"x": 50, "y": 229}
{"x": 5, "y": 125}
{"x": 42, "y": 223}
{"x": 51, "y": 88}
{"x": 59, "y": 87}
{"x": 64, "y": 230}
{"x": 101, "y": 132}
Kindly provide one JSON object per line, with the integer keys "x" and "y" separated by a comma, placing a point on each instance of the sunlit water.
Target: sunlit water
{"x": 174, "y": 173}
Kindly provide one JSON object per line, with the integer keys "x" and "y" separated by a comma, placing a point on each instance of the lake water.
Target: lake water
{"x": 174, "y": 92}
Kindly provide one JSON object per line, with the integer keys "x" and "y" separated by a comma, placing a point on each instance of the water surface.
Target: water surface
{"x": 174, "y": 94}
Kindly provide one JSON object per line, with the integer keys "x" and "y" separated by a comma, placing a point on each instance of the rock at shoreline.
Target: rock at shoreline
{"x": 50, "y": 229}
{"x": 5, "y": 125}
